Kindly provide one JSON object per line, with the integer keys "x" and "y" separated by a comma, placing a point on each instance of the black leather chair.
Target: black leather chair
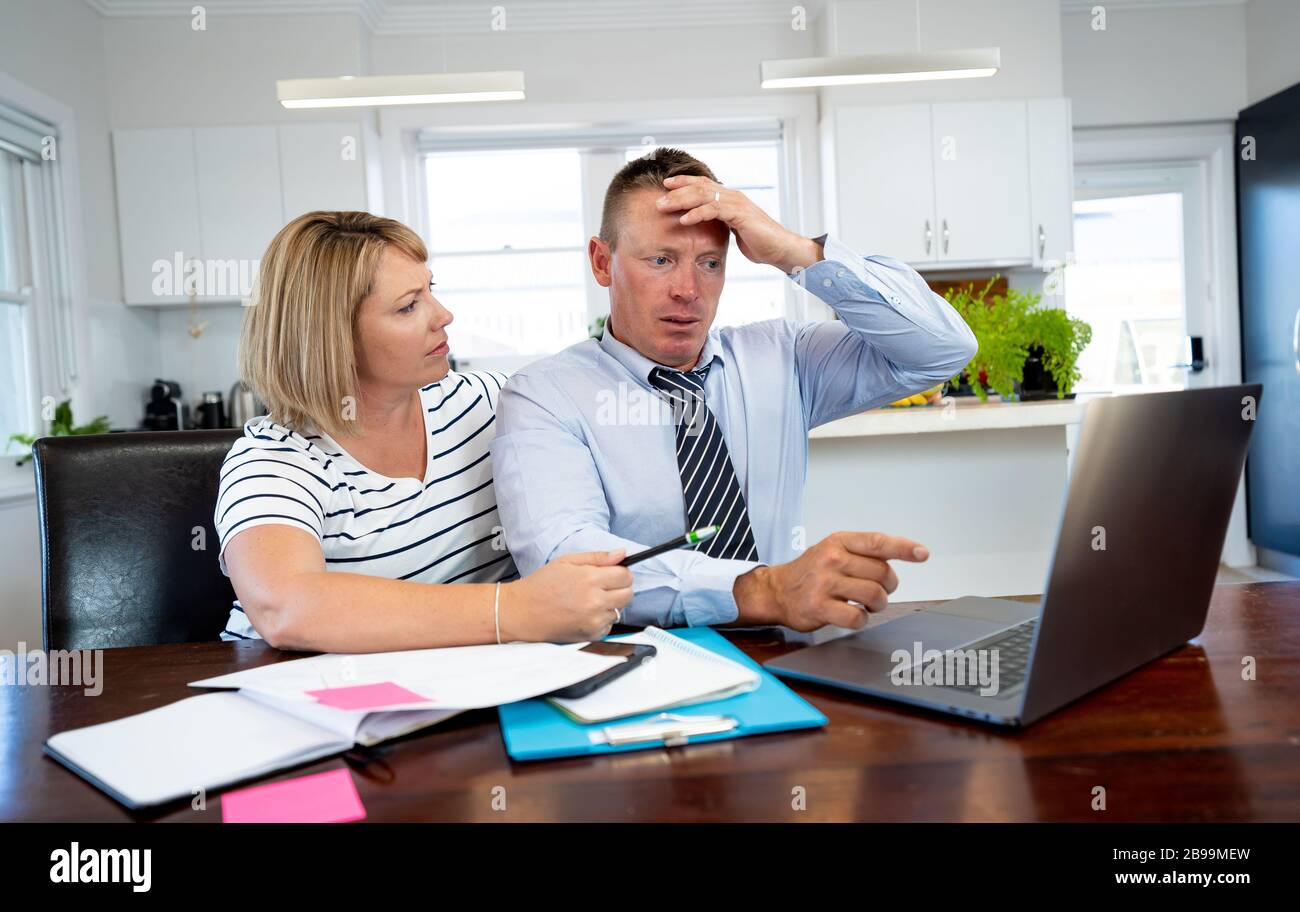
{"x": 121, "y": 562}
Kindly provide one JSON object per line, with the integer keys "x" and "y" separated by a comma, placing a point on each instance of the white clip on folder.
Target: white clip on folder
{"x": 672, "y": 729}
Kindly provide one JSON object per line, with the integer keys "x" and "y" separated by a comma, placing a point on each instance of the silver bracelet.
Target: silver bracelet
{"x": 496, "y": 612}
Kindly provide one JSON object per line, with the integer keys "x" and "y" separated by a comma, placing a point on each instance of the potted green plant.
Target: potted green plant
{"x": 1015, "y": 335}
{"x": 995, "y": 321}
{"x": 61, "y": 426}
{"x": 1055, "y": 342}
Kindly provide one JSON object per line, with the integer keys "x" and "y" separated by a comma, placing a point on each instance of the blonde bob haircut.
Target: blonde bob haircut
{"x": 297, "y": 351}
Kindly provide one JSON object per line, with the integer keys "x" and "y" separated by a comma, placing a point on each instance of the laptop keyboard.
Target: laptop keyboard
{"x": 1012, "y": 645}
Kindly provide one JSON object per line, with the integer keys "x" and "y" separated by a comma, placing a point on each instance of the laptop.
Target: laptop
{"x": 1134, "y": 564}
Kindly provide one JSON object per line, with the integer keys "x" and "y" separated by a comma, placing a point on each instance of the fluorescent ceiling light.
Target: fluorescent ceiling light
{"x": 804, "y": 72}
{"x": 429, "y": 88}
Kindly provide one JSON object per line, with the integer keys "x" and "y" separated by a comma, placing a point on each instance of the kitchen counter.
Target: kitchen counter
{"x": 980, "y": 484}
{"x": 956, "y": 414}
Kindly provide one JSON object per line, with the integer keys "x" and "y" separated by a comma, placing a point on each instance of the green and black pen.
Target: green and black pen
{"x": 694, "y": 537}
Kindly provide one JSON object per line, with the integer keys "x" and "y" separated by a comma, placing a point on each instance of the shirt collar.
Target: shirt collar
{"x": 640, "y": 366}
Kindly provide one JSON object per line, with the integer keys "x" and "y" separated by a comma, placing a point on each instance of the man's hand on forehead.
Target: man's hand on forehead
{"x": 759, "y": 236}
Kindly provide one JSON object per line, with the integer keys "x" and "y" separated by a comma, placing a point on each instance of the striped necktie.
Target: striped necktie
{"x": 710, "y": 490}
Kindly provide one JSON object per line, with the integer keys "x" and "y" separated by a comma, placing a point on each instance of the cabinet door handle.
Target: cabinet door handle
{"x": 1042, "y": 242}
{"x": 945, "y": 235}
{"x": 928, "y": 236}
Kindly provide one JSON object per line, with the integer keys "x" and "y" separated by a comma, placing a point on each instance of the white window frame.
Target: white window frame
{"x": 56, "y": 350}
{"x": 1211, "y": 147}
{"x": 1189, "y": 181}
{"x": 800, "y": 177}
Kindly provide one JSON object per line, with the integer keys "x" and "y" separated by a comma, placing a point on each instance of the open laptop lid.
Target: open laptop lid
{"x": 1140, "y": 539}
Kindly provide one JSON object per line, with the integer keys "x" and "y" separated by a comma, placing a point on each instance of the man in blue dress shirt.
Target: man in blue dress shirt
{"x": 665, "y": 424}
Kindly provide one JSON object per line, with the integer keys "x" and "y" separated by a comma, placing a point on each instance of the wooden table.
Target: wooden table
{"x": 1184, "y": 738}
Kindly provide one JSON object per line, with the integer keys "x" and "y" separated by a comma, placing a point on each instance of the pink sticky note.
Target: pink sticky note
{"x": 320, "y": 798}
{"x": 366, "y": 696}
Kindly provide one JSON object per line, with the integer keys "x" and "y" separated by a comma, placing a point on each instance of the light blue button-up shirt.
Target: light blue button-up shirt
{"x": 585, "y": 453}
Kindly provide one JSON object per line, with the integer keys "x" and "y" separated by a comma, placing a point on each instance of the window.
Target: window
{"x": 15, "y": 303}
{"x": 508, "y": 222}
{"x": 37, "y": 361}
{"x": 1141, "y": 274}
{"x": 508, "y": 249}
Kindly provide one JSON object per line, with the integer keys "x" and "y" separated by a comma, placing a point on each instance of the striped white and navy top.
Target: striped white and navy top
{"x": 437, "y": 530}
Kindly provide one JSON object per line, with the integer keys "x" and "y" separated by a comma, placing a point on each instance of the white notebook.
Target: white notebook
{"x": 217, "y": 739}
{"x": 210, "y": 741}
{"x": 679, "y": 674}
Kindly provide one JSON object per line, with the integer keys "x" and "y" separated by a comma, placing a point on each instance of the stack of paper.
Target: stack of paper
{"x": 679, "y": 674}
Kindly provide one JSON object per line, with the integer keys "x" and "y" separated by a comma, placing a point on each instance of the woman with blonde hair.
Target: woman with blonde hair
{"x": 359, "y": 514}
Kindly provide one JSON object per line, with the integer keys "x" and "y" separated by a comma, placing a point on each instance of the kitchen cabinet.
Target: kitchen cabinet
{"x": 882, "y": 180}
{"x": 951, "y": 185}
{"x": 321, "y": 168}
{"x": 1051, "y": 179}
{"x": 219, "y": 194}
{"x": 157, "y": 207}
{"x": 981, "y": 181}
{"x": 239, "y": 202}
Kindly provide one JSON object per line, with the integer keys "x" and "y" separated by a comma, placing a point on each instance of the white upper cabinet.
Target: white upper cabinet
{"x": 1051, "y": 179}
{"x": 239, "y": 192}
{"x": 157, "y": 209}
{"x": 321, "y": 167}
{"x": 981, "y": 167}
{"x": 882, "y": 178}
{"x": 950, "y": 185}
{"x": 218, "y": 195}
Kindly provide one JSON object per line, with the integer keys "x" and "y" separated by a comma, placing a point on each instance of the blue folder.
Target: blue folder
{"x": 536, "y": 730}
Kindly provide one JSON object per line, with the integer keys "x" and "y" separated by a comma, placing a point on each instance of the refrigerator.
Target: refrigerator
{"x": 1268, "y": 225}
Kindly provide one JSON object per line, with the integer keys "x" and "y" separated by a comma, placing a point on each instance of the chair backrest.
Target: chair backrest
{"x": 128, "y": 548}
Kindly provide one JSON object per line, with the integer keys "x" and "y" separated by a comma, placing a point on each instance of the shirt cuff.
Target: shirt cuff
{"x": 844, "y": 274}
{"x": 706, "y": 597}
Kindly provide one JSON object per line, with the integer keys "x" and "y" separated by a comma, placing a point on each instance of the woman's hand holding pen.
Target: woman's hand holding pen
{"x": 573, "y": 599}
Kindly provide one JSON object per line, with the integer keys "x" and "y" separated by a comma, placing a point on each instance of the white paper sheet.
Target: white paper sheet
{"x": 460, "y": 677}
{"x": 679, "y": 674}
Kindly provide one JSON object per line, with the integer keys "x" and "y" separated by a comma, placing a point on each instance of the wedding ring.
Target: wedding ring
{"x": 717, "y": 195}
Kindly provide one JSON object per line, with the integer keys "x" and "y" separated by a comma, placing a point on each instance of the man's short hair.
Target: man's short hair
{"x": 646, "y": 173}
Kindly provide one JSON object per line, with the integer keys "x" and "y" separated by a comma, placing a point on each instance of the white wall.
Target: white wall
{"x": 1027, "y": 31}
{"x": 55, "y": 47}
{"x": 1161, "y": 65}
{"x": 163, "y": 73}
{"x": 20, "y": 587}
{"x": 1272, "y": 32}
{"x": 593, "y": 65}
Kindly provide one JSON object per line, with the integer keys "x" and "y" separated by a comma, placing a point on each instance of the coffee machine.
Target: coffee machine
{"x": 166, "y": 409}
{"x": 212, "y": 411}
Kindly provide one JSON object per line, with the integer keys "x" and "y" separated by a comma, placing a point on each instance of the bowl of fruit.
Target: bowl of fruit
{"x": 932, "y": 396}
